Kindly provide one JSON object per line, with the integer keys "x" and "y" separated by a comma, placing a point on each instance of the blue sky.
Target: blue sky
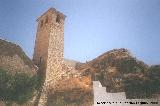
{"x": 92, "y": 27}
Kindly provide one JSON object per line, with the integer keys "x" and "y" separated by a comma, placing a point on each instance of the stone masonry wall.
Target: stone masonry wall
{"x": 55, "y": 54}
{"x": 49, "y": 44}
{"x": 53, "y": 49}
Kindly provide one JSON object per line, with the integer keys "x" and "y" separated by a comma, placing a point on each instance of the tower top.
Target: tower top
{"x": 53, "y": 11}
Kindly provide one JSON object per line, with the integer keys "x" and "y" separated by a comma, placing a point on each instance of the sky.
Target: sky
{"x": 92, "y": 27}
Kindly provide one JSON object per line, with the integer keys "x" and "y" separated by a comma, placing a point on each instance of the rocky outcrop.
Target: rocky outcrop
{"x": 13, "y": 59}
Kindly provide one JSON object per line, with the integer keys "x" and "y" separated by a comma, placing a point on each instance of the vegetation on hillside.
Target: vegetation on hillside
{"x": 11, "y": 49}
{"x": 74, "y": 97}
{"x": 73, "y": 91}
{"x": 18, "y": 88}
{"x": 143, "y": 86}
{"x": 119, "y": 71}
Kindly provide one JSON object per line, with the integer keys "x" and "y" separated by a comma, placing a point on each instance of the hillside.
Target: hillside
{"x": 13, "y": 59}
{"x": 111, "y": 67}
{"x": 72, "y": 90}
{"x": 70, "y": 62}
{"x": 118, "y": 70}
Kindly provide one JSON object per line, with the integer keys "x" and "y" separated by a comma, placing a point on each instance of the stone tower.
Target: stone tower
{"x": 49, "y": 46}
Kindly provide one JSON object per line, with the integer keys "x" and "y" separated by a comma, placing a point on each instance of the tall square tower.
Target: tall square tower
{"x": 49, "y": 45}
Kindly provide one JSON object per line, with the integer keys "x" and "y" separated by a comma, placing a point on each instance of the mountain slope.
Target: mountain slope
{"x": 13, "y": 59}
{"x": 111, "y": 68}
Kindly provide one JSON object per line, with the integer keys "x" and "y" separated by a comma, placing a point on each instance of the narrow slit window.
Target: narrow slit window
{"x": 40, "y": 60}
{"x": 46, "y": 21}
{"x": 41, "y": 23}
{"x": 58, "y": 19}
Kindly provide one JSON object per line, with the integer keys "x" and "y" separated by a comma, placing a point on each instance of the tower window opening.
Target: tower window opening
{"x": 58, "y": 19}
{"x": 41, "y": 23}
{"x": 46, "y": 21}
{"x": 40, "y": 60}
